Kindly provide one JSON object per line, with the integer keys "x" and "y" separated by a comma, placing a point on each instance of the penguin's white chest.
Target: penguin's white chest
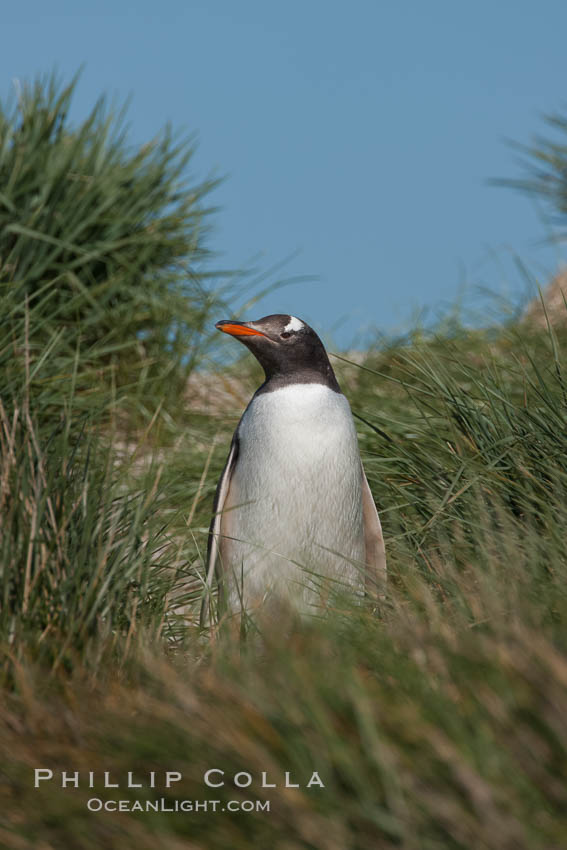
{"x": 296, "y": 496}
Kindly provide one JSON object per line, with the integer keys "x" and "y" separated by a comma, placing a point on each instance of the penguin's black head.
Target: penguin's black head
{"x": 286, "y": 347}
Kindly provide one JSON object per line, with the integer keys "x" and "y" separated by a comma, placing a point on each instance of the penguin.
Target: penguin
{"x": 293, "y": 515}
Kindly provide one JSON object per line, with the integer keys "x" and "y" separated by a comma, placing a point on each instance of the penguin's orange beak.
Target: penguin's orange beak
{"x": 237, "y": 328}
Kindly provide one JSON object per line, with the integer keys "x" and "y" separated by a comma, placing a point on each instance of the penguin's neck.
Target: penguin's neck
{"x": 319, "y": 373}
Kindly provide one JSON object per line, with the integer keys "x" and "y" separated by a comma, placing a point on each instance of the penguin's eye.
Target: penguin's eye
{"x": 285, "y": 335}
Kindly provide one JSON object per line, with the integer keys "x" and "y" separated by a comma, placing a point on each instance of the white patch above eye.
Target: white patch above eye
{"x": 294, "y": 324}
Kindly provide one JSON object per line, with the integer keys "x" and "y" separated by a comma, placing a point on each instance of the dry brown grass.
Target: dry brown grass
{"x": 554, "y": 297}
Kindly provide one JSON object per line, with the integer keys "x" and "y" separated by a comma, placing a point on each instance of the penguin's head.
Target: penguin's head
{"x": 284, "y": 345}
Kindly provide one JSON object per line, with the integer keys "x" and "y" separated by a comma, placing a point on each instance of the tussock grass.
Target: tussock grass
{"x": 107, "y": 244}
{"x": 438, "y": 722}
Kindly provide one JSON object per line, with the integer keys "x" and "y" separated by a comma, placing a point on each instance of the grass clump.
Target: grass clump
{"x": 104, "y": 302}
{"x": 106, "y": 243}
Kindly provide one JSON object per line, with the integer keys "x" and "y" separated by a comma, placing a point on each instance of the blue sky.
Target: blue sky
{"x": 358, "y": 137}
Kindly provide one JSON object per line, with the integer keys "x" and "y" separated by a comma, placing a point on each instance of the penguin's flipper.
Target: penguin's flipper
{"x": 375, "y": 583}
{"x": 218, "y": 533}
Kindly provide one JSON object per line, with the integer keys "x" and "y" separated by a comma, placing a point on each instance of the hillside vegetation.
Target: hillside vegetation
{"x": 439, "y": 721}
